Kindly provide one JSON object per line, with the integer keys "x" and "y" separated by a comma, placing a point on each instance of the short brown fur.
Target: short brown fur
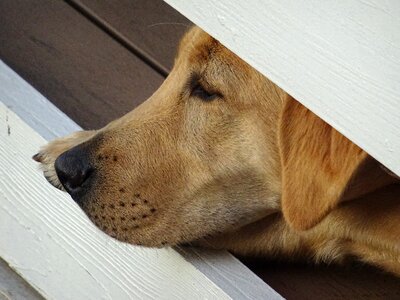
{"x": 252, "y": 170}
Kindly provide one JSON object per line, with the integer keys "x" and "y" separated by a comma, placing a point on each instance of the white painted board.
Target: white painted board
{"x": 340, "y": 58}
{"x": 235, "y": 279}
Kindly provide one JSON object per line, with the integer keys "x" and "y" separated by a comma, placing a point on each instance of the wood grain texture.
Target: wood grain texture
{"x": 48, "y": 43}
{"x": 220, "y": 267}
{"x": 150, "y": 24}
{"x": 47, "y": 239}
{"x": 341, "y": 59}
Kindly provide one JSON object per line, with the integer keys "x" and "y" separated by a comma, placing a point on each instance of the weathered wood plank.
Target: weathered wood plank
{"x": 47, "y": 239}
{"x": 152, "y": 25}
{"x": 72, "y": 62}
{"x": 341, "y": 59}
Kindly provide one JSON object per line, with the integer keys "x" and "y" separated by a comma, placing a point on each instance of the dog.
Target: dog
{"x": 221, "y": 157}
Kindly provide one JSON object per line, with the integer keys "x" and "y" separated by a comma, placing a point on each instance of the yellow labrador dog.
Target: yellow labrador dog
{"x": 221, "y": 157}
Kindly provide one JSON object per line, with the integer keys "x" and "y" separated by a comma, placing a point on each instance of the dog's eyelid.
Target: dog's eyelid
{"x": 201, "y": 90}
{"x": 203, "y": 93}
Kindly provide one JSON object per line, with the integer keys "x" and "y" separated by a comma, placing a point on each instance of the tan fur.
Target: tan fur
{"x": 219, "y": 173}
{"x": 318, "y": 164}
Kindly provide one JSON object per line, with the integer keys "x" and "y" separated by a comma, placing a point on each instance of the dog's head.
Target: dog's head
{"x": 202, "y": 155}
{"x": 193, "y": 160}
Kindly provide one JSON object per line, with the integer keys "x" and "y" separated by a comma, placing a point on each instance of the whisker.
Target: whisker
{"x": 168, "y": 23}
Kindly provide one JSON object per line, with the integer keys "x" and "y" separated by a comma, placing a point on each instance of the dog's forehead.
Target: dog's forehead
{"x": 198, "y": 48}
{"x": 198, "y": 45}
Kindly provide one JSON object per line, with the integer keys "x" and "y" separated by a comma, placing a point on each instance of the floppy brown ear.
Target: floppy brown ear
{"x": 317, "y": 164}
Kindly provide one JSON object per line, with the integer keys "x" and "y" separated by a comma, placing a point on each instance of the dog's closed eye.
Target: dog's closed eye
{"x": 199, "y": 90}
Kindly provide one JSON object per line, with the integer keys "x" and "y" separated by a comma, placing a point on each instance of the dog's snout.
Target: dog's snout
{"x": 73, "y": 170}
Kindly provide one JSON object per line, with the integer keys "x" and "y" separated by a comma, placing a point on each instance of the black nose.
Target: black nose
{"x": 73, "y": 169}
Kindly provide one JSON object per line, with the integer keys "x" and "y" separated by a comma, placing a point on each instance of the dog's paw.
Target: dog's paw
{"x": 48, "y": 154}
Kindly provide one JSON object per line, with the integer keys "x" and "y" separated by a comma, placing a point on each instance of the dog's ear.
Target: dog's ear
{"x": 317, "y": 164}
